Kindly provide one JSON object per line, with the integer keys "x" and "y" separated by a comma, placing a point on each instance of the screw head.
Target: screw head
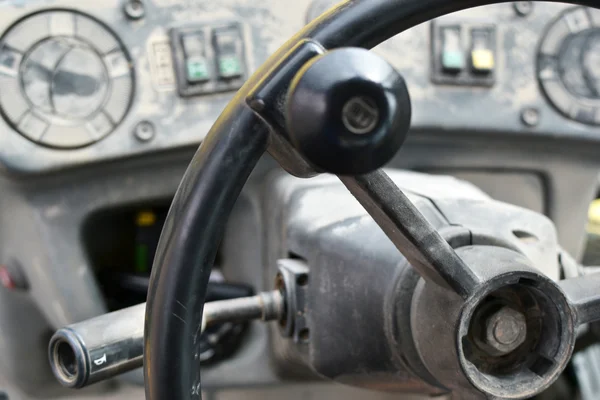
{"x": 351, "y": 122}
{"x": 134, "y": 9}
{"x": 505, "y": 330}
{"x": 523, "y": 8}
{"x": 360, "y": 115}
{"x": 144, "y": 131}
{"x": 530, "y": 117}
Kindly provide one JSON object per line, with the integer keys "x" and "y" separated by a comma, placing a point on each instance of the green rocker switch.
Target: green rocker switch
{"x": 230, "y": 53}
{"x": 453, "y": 53}
{"x": 197, "y": 66}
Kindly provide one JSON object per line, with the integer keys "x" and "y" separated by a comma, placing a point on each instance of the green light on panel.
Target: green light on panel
{"x": 230, "y": 66}
{"x": 141, "y": 258}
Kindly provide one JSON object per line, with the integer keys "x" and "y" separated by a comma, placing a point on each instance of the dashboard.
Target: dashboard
{"x": 103, "y": 102}
{"x": 90, "y": 81}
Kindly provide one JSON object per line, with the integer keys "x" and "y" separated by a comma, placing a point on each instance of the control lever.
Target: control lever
{"x": 112, "y": 344}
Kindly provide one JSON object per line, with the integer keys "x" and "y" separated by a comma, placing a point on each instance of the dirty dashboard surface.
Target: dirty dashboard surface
{"x": 103, "y": 103}
{"x": 85, "y": 82}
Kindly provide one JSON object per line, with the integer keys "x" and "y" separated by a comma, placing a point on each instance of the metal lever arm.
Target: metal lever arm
{"x": 412, "y": 234}
{"x": 351, "y": 122}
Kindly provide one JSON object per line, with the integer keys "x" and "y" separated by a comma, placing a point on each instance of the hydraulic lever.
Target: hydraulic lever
{"x": 111, "y": 344}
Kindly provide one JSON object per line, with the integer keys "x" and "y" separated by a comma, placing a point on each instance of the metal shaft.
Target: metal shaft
{"x": 266, "y": 306}
{"x": 112, "y": 344}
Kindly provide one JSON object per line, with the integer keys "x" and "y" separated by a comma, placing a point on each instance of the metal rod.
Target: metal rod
{"x": 264, "y": 306}
{"x": 112, "y": 344}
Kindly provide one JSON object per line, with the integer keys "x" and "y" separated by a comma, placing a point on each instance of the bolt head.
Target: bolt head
{"x": 134, "y": 9}
{"x": 531, "y": 117}
{"x": 360, "y": 115}
{"x": 144, "y": 131}
{"x": 505, "y": 330}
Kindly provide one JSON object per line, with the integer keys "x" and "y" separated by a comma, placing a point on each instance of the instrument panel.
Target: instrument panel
{"x": 89, "y": 81}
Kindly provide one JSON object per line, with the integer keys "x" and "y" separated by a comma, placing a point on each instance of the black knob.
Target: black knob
{"x": 348, "y": 111}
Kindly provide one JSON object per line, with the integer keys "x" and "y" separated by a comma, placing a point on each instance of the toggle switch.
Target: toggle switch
{"x": 482, "y": 50}
{"x": 453, "y": 55}
{"x": 228, "y": 46}
{"x": 197, "y": 66}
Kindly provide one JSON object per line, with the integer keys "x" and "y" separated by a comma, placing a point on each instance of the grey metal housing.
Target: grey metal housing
{"x": 359, "y": 287}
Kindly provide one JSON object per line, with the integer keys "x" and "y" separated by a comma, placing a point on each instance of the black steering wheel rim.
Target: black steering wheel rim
{"x": 214, "y": 180}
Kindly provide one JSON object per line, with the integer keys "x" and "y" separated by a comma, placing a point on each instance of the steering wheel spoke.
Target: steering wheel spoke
{"x": 351, "y": 123}
{"x": 412, "y": 234}
{"x": 584, "y": 295}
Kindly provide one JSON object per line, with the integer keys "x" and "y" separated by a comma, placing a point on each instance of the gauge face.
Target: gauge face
{"x": 64, "y": 78}
{"x": 67, "y": 81}
{"x": 591, "y": 62}
{"x": 569, "y": 65}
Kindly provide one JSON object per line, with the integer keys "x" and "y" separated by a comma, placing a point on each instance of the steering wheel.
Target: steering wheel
{"x": 323, "y": 103}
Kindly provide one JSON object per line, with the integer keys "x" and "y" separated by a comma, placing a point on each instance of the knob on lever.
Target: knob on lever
{"x": 348, "y": 111}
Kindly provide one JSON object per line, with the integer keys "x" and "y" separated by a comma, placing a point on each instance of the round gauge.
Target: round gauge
{"x": 571, "y": 68}
{"x": 67, "y": 81}
{"x": 569, "y": 64}
{"x": 591, "y": 62}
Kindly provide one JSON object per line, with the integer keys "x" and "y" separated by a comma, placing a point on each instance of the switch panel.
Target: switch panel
{"x": 209, "y": 58}
{"x": 463, "y": 52}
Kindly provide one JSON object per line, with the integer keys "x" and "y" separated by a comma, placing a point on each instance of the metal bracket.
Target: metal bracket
{"x": 292, "y": 280}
